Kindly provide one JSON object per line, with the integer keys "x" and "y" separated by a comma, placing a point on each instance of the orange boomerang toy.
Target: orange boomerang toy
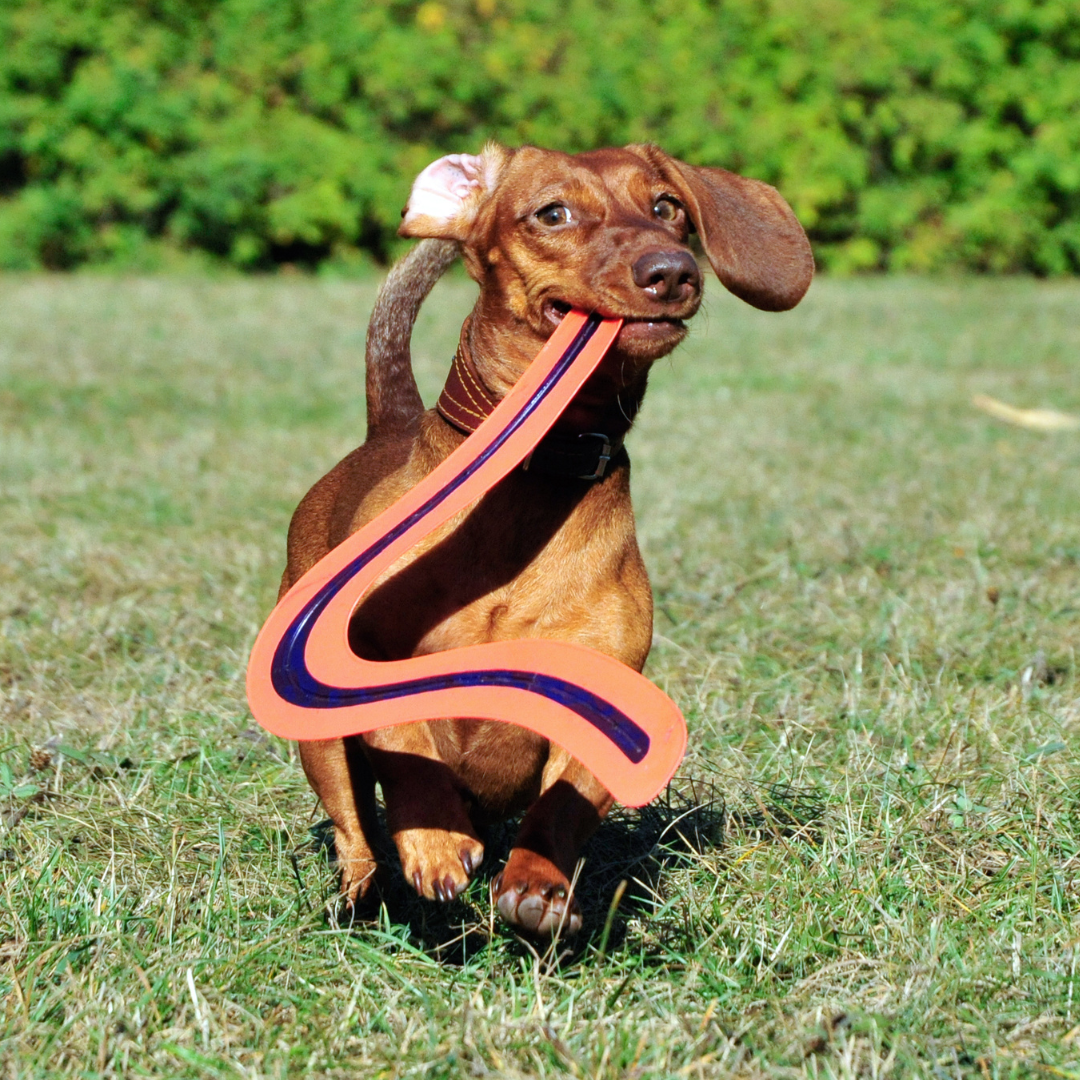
{"x": 305, "y": 682}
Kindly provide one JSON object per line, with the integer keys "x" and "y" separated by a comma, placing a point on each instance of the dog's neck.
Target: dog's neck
{"x": 482, "y": 374}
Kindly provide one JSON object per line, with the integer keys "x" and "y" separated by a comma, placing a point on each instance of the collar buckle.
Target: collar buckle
{"x": 603, "y": 458}
{"x": 569, "y": 457}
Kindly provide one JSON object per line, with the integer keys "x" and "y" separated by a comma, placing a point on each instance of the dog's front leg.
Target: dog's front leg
{"x": 341, "y": 777}
{"x": 425, "y": 812}
{"x": 533, "y": 891}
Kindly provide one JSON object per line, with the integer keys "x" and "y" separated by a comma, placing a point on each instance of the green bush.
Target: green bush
{"x": 907, "y": 134}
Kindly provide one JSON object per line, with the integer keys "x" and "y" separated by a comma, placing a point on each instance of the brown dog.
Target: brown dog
{"x": 550, "y": 551}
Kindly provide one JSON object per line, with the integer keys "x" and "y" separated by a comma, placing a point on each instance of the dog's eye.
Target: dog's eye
{"x": 666, "y": 208}
{"x": 555, "y": 214}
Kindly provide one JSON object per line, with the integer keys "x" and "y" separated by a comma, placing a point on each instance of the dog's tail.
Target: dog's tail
{"x": 392, "y": 397}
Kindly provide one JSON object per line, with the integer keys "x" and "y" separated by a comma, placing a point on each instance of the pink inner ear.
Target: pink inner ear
{"x": 458, "y": 173}
{"x": 440, "y": 191}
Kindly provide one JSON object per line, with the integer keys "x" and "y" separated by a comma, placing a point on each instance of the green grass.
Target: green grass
{"x": 893, "y": 888}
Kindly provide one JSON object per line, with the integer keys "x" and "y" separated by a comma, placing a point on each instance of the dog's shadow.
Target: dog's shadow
{"x": 621, "y": 878}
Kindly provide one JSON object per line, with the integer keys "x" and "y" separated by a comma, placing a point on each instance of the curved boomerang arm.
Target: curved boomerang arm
{"x": 305, "y": 682}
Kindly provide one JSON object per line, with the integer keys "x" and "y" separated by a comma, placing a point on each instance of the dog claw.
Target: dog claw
{"x": 443, "y": 889}
{"x": 528, "y": 899}
{"x": 439, "y": 865}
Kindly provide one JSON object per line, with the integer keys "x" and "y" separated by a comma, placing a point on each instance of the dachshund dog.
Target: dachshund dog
{"x": 550, "y": 551}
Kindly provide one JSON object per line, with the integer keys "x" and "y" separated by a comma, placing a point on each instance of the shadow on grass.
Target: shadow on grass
{"x": 622, "y": 876}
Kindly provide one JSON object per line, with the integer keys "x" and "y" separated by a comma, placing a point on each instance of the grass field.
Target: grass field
{"x": 868, "y": 604}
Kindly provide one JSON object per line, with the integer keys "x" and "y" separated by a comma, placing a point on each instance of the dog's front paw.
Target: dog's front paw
{"x": 358, "y": 880}
{"x": 438, "y": 862}
{"x": 534, "y": 895}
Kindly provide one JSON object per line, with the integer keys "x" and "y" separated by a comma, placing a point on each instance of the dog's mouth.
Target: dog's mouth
{"x": 633, "y": 326}
{"x": 554, "y": 310}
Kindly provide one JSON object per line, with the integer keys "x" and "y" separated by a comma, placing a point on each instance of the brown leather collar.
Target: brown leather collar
{"x": 465, "y": 403}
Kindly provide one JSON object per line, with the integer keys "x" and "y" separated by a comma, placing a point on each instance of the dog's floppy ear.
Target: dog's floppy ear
{"x": 753, "y": 240}
{"x": 446, "y": 197}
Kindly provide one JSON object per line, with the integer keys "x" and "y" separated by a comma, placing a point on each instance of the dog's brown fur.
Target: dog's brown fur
{"x": 538, "y": 556}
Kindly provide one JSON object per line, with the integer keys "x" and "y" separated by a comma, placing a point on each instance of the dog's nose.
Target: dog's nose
{"x": 667, "y": 276}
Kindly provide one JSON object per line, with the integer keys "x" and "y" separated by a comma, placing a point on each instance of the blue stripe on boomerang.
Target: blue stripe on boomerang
{"x": 295, "y": 684}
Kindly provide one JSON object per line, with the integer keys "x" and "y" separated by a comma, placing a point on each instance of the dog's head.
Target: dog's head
{"x": 608, "y": 231}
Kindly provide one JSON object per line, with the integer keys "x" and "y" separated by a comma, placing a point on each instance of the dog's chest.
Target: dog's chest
{"x": 526, "y": 562}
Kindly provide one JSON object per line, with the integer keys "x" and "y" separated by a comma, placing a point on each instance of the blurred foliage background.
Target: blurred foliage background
{"x": 909, "y": 135}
